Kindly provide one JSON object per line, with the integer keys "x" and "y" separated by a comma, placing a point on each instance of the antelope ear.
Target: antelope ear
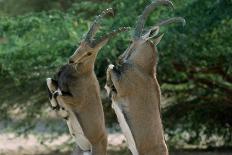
{"x": 151, "y": 33}
{"x": 157, "y": 39}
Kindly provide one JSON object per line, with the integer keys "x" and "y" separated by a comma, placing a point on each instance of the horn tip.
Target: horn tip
{"x": 171, "y": 4}
{"x": 183, "y": 21}
{"x": 166, "y": 2}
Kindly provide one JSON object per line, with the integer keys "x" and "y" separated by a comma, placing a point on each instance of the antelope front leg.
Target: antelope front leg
{"x": 109, "y": 83}
{"x": 112, "y": 80}
{"x": 53, "y": 93}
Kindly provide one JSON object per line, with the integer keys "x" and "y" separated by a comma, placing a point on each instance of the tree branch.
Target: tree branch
{"x": 212, "y": 70}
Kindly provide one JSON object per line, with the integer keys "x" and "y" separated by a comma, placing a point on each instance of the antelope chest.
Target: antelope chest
{"x": 124, "y": 126}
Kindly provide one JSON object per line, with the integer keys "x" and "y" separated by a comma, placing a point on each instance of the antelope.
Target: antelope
{"x": 134, "y": 89}
{"x": 76, "y": 93}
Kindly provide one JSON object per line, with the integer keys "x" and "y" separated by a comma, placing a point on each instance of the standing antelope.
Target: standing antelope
{"x": 135, "y": 91}
{"x": 77, "y": 93}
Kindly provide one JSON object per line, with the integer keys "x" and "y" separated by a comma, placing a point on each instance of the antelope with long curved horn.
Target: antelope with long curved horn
{"x": 134, "y": 89}
{"x": 76, "y": 93}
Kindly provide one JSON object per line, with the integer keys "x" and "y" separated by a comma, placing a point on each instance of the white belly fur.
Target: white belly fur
{"x": 76, "y": 131}
{"x": 75, "y": 128}
{"x": 125, "y": 128}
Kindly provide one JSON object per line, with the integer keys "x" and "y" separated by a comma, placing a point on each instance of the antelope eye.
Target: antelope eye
{"x": 88, "y": 54}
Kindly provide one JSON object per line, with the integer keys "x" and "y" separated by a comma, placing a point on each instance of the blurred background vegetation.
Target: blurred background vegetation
{"x": 194, "y": 71}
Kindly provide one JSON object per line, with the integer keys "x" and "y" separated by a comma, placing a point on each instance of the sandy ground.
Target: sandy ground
{"x": 10, "y": 144}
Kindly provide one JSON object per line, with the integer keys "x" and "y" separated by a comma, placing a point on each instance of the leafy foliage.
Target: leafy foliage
{"x": 196, "y": 68}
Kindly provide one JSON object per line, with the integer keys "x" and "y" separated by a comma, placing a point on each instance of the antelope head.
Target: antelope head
{"x": 85, "y": 55}
{"x": 142, "y": 50}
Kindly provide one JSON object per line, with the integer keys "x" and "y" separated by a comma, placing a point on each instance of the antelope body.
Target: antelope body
{"x": 81, "y": 102}
{"x": 135, "y": 91}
